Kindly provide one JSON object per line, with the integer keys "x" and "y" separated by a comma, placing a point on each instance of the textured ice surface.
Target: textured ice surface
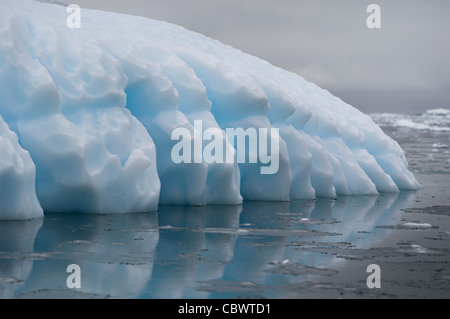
{"x": 17, "y": 175}
{"x": 95, "y": 108}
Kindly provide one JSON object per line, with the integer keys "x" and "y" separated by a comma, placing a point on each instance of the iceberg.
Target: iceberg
{"x": 87, "y": 116}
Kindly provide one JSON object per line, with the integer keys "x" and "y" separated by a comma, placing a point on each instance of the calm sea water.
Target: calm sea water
{"x": 301, "y": 249}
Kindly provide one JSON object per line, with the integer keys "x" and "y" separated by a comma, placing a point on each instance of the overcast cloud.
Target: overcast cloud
{"x": 402, "y": 67}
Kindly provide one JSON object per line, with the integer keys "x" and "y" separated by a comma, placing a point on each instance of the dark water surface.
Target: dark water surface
{"x": 299, "y": 249}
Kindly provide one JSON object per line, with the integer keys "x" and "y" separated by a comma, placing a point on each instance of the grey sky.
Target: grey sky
{"x": 402, "y": 67}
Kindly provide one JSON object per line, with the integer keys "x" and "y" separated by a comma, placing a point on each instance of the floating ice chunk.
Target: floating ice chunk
{"x": 417, "y": 225}
{"x": 439, "y": 145}
{"x": 419, "y": 249}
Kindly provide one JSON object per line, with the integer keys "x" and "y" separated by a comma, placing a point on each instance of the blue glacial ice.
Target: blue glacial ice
{"x": 86, "y": 117}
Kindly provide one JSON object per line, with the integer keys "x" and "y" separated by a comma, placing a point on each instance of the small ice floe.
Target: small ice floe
{"x": 9, "y": 280}
{"x": 119, "y": 243}
{"x": 248, "y": 284}
{"x": 419, "y": 249}
{"x": 304, "y": 219}
{"x": 439, "y": 145}
{"x": 417, "y": 225}
{"x": 275, "y": 262}
{"x": 230, "y": 231}
{"x": 166, "y": 227}
{"x": 78, "y": 242}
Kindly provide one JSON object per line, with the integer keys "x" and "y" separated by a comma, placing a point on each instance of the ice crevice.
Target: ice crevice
{"x": 87, "y": 116}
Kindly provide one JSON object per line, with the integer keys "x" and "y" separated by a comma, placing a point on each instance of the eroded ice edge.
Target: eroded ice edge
{"x": 87, "y": 116}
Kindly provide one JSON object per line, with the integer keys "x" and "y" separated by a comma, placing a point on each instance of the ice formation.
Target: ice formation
{"x": 93, "y": 109}
{"x": 431, "y": 120}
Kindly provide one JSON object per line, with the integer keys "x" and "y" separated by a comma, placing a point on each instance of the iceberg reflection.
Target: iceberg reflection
{"x": 249, "y": 250}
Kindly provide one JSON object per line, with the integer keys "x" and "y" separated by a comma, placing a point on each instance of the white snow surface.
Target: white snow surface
{"x": 87, "y": 115}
